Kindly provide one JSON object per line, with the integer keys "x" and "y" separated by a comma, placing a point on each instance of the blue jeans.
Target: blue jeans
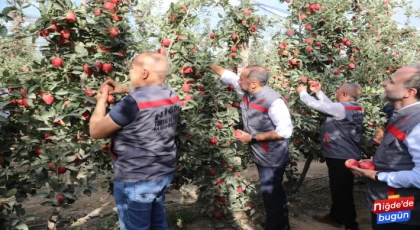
{"x": 140, "y": 204}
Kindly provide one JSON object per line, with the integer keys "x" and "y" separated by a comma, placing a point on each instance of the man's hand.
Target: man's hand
{"x": 377, "y": 139}
{"x": 364, "y": 172}
{"x": 301, "y": 88}
{"x": 315, "y": 87}
{"x": 117, "y": 87}
{"x": 244, "y": 137}
{"x": 102, "y": 95}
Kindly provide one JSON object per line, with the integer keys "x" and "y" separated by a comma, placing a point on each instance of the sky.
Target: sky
{"x": 267, "y": 7}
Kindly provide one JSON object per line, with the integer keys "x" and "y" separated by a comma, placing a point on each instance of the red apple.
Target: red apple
{"x": 232, "y": 55}
{"x": 57, "y": 62}
{"x": 89, "y": 92}
{"x": 188, "y": 97}
{"x": 309, "y": 41}
{"x": 314, "y": 84}
{"x": 23, "y": 92}
{"x": 289, "y": 32}
{"x": 233, "y": 49}
{"x": 351, "y": 162}
{"x": 212, "y": 172}
{"x": 308, "y": 26}
{"x": 304, "y": 79}
{"x": 70, "y": 17}
{"x": 97, "y": 11}
{"x": 234, "y": 37}
{"x": 253, "y": 28}
{"x": 250, "y": 205}
{"x": 107, "y": 67}
{"x": 318, "y": 44}
{"x": 213, "y": 140}
{"x": 99, "y": 65}
{"x": 352, "y": 66}
{"x": 60, "y": 198}
{"x": 161, "y": 51}
{"x": 38, "y": 151}
{"x": 110, "y": 99}
{"x": 113, "y": 32}
{"x": 88, "y": 70}
{"x": 186, "y": 88}
{"x": 239, "y": 189}
{"x": 166, "y": 42}
{"x": 219, "y": 125}
{"x": 109, "y": 6}
{"x": 247, "y": 12}
{"x": 65, "y": 33}
{"x": 25, "y": 102}
{"x": 212, "y": 36}
{"x": 48, "y": 99}
{"x": 366, "y": 164}
{"x": 309, "y": 49}
{"x": 298, "y": 142}
{"x": 217, "y": 215}
{"x": 336, "y": 72}
{"x": 61, "y": 170}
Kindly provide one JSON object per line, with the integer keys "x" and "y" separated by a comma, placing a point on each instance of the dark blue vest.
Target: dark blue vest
{"x": 145, "y": 149}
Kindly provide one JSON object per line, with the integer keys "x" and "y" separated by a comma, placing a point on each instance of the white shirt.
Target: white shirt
{"x": 324, "y": 104}
{"x": 278, "y": 111}
{"x": 408, "y": 178}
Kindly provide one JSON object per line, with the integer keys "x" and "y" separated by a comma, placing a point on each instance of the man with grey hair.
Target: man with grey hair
{"x": 267, "y": 126}
{"x": 397, "y": 159}
{"x": 341, "y": 133}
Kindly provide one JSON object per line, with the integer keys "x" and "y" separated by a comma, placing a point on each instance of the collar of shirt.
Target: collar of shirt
{"x": 408, "y": 106}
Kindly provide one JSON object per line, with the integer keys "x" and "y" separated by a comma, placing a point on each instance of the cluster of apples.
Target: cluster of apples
{"x": 363, "y": 164}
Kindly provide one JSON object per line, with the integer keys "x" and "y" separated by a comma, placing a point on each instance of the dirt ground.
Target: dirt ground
{"x": 98, "y": 211}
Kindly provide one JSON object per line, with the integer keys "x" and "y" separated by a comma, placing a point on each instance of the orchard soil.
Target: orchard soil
{"x": 98, "y": 211}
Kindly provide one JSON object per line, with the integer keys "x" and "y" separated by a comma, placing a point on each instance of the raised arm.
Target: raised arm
{"x": 334, "y": 109}
{"x": 217, "y": 69}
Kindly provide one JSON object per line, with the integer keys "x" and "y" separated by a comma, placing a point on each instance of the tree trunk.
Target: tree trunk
{"x": 303, "y": 174}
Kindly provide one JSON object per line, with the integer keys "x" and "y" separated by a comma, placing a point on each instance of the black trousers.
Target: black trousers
{"x": 274, "y": 197}
{"x": 341, "y": 179}
{"x": 392, "y": 226}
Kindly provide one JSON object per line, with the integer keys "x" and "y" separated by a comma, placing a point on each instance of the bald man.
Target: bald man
{"x": 267, "y": 127}
{"x": 341, "y": 133}
{"x": 142, "y": 128}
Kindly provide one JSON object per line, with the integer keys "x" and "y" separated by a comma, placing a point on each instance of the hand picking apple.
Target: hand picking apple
{"x": 116, "y": 88}
{"x": 242, "y": 136}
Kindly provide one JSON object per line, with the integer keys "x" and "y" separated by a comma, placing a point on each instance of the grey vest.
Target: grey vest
{"x": 145, "y": 149}
{"x": 256, "y": 120}
{"x": 392, "y": 155}
{"x": 341, "y": 138}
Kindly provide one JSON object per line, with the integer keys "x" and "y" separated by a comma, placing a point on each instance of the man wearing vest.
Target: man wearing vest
{"x": 341, "y": 132}
{"x": 143, "y": 151}
{"x": 267, "y": 126}
{"x": 397, "y": 159}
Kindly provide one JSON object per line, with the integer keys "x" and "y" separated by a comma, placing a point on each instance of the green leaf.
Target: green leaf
{"x": 69, "y": 159}
{"x": 68, "y": 3}
{"x": 3, "y": 31}
{"x": 61, "y": 92}
{"x": 10, "y": 193}
{"x": 81, "y": 51}
{"x": 7, "y": 10}
{"x": 41, "y": 8}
